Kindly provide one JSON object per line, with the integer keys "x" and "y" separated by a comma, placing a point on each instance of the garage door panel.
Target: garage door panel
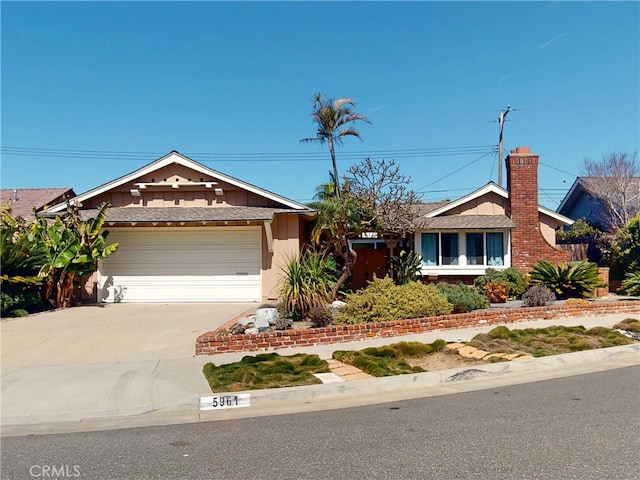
{"x": 200, "y": 259}
{"x": 183, "y": 265}
{"x": 174, "y": 289}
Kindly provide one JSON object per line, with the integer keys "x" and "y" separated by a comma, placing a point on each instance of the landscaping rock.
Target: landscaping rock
{"x": 266, "y": 317}
{"x": 335, "y": 306}
{"x": 245, "y": 321}
{"x": 237, "y": 329}
{"x": 251, "y": 331}
{"x": 264, "y": 329}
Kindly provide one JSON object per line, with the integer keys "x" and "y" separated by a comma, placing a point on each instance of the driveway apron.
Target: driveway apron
{"x": 96, "y": 361}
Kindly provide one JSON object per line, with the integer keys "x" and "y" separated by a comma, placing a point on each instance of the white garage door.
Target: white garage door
{"x": 183, "y": 265}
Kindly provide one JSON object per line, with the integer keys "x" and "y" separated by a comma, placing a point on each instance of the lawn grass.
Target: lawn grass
{"x": 538, "y": 342}
{"x": 270, "y": 370}
{"x": 630, "y": 324}
{"x": 390, "y": 359}
{"x": 553, "y": 340}
{"x": 266, "y": 370}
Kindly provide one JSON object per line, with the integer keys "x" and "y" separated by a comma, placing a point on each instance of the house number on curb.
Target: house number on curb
{"x": 217, "y": 402}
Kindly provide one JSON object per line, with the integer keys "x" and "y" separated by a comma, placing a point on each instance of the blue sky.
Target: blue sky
{"x": 92, "y": 91}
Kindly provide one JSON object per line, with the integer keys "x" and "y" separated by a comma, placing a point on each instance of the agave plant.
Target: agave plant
{"x": 576, "y": 279}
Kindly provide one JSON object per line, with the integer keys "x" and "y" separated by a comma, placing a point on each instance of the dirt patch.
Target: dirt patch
{"x": 443, "y": 361}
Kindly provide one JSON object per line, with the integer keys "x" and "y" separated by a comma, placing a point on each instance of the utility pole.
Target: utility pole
{"x": 501, "y": 117}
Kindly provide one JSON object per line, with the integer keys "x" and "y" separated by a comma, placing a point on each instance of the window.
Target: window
{"x": 480, "y": 248}
{"x": 440, "y": 249}
{"x": 495, "y": 249}
{"x": 475, "y": 249}
{"x": 449, "y": 243}
{"x": 430, "y": 251}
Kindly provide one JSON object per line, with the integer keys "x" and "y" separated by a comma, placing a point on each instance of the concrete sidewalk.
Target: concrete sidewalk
{"x": 105, "y": 395}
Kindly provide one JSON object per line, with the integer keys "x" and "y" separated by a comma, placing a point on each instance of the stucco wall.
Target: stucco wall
{"x": 548, "y": 229}
{"x": 286, "y": 244}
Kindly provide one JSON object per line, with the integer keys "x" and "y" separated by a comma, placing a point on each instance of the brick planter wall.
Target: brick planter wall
{"x": 212, "y": 343}
{"x": 603, "y": 273}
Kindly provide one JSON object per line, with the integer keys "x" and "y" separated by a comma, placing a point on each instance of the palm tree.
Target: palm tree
{"x": 331, "y": 117}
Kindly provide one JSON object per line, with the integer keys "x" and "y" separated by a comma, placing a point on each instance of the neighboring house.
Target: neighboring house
{"x": 188, "y": 233}
{"x": 488, "y": 228}
{"x": 579, "y": 203}
{"x": 23, "y": 200}
{"x": 491, "y": 227}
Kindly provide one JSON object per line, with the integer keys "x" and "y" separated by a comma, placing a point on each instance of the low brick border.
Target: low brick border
{"x": 211, "y": 343}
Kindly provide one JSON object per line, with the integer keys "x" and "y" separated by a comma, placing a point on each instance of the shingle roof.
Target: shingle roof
{"x": 191, "y": 214}
{"x": 177, "y": 158}
{"x": 28, "y": 198}
{"x": 580, "y": 187}
{"x": 421, "y": 209}
{"x": 466, "y": 222}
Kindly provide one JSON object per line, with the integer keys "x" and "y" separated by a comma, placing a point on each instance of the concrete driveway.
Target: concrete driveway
{"x": 112, "y": 333}
{"x": 108, "y": 362}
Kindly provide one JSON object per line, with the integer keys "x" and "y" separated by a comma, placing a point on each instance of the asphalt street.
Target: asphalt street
{"x": 126, "y": 365}
{"x": 579, "y": 427}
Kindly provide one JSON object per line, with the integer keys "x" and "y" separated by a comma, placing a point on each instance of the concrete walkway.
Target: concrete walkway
{"x": 97, "y": 383}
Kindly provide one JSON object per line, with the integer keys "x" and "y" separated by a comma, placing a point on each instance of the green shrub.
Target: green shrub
{"x": 622, "y": 249}
{"x": 577, "y": 279}
{"x": 512, "y": 277}
{"x": 463, "y": 298}
{"x": 382, "y": 300}
{"x": 406, "y": 267}
{"x": 307, "y": 281}
{"x": 19, "y": 302}
{"x": 538, "y": 296}
{"x": 581, "y": 230}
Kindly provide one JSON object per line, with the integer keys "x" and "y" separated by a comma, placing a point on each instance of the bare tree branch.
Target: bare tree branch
{"x": 615, "y": 181}
{"x": 384, "y": 191}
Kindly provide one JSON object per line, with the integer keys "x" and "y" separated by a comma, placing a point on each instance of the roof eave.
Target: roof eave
{"x": 489, "y": 187}
{"x": 556, "y": 216}
{"x": 176, "y": 157}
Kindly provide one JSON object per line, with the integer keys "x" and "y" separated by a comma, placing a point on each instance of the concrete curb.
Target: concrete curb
{"x": 348, "y": 394}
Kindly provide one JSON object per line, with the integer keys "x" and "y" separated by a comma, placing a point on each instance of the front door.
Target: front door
{"x": 373, "y": 259}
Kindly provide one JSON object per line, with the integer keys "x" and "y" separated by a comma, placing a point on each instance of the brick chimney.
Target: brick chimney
{"x": 527, "y": 243}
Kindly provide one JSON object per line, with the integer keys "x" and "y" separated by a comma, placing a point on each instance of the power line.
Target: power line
{"x": 421, "y": 189}
{"x": 558, "y": 169}
{"x": 242, "y": 157}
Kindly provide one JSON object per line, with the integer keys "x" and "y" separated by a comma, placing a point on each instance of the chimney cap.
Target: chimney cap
{"x": 521, "y": 150}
